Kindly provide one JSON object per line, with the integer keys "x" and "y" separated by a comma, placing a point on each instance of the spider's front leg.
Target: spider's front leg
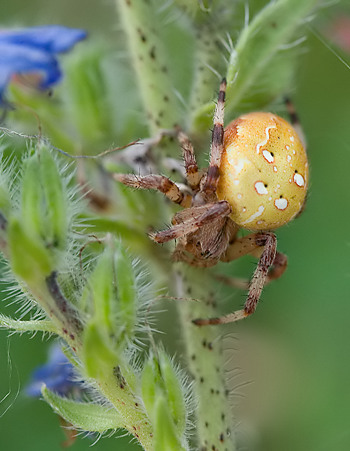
{"x": 192, "y": 219}
{"x": 271, "y": 265}
{"x": 158, "y": 183}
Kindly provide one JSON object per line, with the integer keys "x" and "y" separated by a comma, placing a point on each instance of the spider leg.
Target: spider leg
{"x": 258, "y": 243}
{"x": 192, "y": 174}
{"x": 278, "y": 267}
{"x": 217, "y": 143}
{"x": 251, "y": 244}
{"x": 197, "y": 219}
{"x": 156, "y": 182}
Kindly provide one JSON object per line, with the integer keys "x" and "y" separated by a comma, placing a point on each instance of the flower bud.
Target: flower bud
{"x": 162, "y": 391}
{"x": 30, "y": 259}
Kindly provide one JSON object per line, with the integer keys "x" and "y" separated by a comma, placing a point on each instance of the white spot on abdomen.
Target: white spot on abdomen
{"x": 268, "y": 156}
{"x": 233, "y": 179}
{"x": 299, "y": 179}
{"x": 260, "y": 188}
{"x": 255, "y": 215}
{"x": 281, "y": 203}
{"x": 267, "y": 129}
{"x": 239, "y": 166}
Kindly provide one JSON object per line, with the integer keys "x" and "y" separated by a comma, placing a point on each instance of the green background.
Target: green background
{"x": 293, "y": 390}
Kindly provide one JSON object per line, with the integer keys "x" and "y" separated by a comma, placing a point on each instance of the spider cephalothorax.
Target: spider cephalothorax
{"x": 257, "y": 179}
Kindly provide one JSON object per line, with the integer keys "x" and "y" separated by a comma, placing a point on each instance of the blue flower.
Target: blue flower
{"x": 33, "y": 50}
{"x": 57, "y": 374}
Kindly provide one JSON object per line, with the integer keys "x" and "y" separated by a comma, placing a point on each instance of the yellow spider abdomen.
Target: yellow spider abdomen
{"x": 264, "y": 171}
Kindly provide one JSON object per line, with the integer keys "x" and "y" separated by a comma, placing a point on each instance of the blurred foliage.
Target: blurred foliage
{"x": 295, "y": 352}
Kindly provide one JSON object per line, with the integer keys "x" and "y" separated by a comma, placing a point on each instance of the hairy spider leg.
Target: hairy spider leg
{"x": 199, "y": 216}
{"x": 156, "y": 182}
{"x": 193, "y": 176}
{"x": 217, "y": 144}
{"x": 275, "y": 272}
{"x": 264, "y": 243}
{"x": 250, "y": 245}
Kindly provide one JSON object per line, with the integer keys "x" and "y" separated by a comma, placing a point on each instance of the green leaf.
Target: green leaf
{"x": 136, "y": 239}
{"x": 44, "y": 206}
{"x": 100, "y": 291}
{"x": 159, "y": 379}
{"x": 89, "y": 98}
{"x": 260, "y": 42}
{"x": 165, "y": 436}
{"x": 175, "y": 396}
{"x": 86, "y": 416}
{"x": 151, "y": 383}
{"x": 127, "y": 292}
{"x": 32, "y": 197}
{"x": 254, "y": 58}
{"x": 111, "y": 293}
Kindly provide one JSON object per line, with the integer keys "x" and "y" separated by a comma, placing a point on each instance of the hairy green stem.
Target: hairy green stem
{"x": 150, "y": 61}
{"x": 65, "y": 319}
{"x": 28, "y": 326}
{"x": 116, "y": 389}
{"x": 209, "y": 65}
{"x": 205, "y": 358}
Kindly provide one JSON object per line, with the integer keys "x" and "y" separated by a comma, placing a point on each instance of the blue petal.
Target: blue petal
{"x": 57, "y": 374}
{"x": 52, "y": 38}
{"x": 17, "y": 59}
{"x": 34, "y": 50}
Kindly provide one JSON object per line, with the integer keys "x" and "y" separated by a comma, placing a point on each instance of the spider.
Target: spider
{"x": 257, "y": 180}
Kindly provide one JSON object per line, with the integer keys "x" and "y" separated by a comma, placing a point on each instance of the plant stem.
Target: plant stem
{"x": 205, "y": 359}
{"x": 209, "y": 67}
{"x": 116, "y": 389}
{"x": 150, "y": 60}
{"x": 66, "y": 320}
